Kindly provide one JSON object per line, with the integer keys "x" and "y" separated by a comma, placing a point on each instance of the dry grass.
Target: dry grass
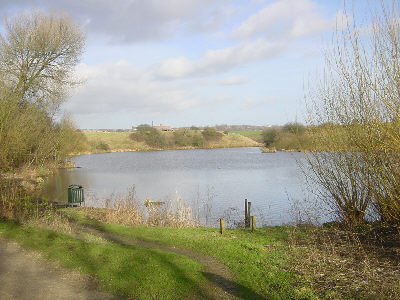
{"x": 16, "y": 201}
{"x": 113, "y": 142}
{"x": 120, "y": 142}
{"x": 340, "y": 264}
{"x": 119, "y": 210}
{"x": 127, "y": 210}
{"x": 171, "y": 214}
{"x": 233, "y": 140}
{"x": 51, "y": 219}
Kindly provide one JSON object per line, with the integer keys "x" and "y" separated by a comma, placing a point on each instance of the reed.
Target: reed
{"x": 127, "y": 210}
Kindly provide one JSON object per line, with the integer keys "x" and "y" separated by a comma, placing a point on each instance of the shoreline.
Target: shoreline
{"x": 158, "y": 149}
{"x": 262, "y": 150}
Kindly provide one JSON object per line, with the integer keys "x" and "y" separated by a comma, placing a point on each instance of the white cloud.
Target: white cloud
{"x": 127, "y": 21}
{"x": 216, "y": 61}
{"x": 121, "y": 87}
{"x": 315, "y": 24}
{"x": 233, "y": 80}
{"x": 287, "y": 18}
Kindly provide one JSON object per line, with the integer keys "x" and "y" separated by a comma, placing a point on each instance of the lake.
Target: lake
{"x": 215, "y": 181}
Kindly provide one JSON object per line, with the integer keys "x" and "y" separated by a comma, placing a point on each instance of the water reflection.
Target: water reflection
{"x": 56, "y": 188}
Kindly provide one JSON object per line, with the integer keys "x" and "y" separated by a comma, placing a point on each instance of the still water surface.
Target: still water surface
{"x": 215, "y": 180}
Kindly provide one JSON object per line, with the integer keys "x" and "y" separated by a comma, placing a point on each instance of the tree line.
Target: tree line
{"x": 193, "y": 137}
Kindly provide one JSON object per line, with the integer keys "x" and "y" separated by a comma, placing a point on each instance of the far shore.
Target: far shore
{"x": 109, "y": 142}
{"x": 166, "y": 149}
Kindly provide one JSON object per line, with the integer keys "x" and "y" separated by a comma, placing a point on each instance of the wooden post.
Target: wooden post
{"x": 221, "y": 226}
{"x": 253, "y": 223}
{"x": 248, "y": 214}
{"x": 245, "y": 213}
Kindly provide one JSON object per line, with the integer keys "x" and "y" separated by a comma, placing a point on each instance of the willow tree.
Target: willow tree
{"x": 38, "y": 53}
{"x": 358, "y": 100}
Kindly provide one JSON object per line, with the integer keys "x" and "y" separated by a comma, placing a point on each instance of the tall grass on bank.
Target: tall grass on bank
{"x": 15, "y": 202}
{"x": 127, "y": 210}
{"x": 171, "y": 214}
{"x": 24, "y": 205}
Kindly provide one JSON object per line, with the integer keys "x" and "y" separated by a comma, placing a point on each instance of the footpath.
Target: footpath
{"x": 24, "y": 274}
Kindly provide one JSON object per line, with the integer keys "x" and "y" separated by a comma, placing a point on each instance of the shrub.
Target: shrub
{"x": 269, "y": 135}
{"x": 151, "y": 136}
{"x": 197, "y": 140}
{"x": 211, "y": 134}
{"x": 294, "y": 128}
{"x": 184, "y": 138}
{"x": 359, "y": 95}
{"x": 102, "y": 146}
{"x": 18, "y": 202}
{"x": 136, "y": 137}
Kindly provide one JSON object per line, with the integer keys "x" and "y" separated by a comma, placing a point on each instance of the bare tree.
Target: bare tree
{"x": 358, "y": 96}
{"x": 37, "y": 55}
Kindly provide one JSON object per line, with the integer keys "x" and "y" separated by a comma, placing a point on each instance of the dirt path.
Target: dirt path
{"x": 221, "y": 282}
{"x": 24, "y": 274}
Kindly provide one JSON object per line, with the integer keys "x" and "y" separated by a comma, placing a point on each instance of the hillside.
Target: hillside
{"x": 98, "y": 142}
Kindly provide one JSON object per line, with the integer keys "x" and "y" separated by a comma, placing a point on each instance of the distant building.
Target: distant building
{"x": 163, "y": 128}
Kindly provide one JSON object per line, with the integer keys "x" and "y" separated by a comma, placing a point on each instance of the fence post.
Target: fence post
{"x": 253, "y": 223}
{"x": 221, "y": 226}
{"x": 245, "y": 213}
{"x": 248, "y": 214}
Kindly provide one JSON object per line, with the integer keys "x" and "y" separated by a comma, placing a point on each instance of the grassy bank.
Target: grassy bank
{"x": 297, "y": 137}
{"x": 283, "y": 139}
{"x": 122, "y": 141}
{"x": 255, "y": 135}
{"x": 131, "y": 271}
{"x": 285, "y": 262}
{"x": 148, "y": 273}
{"x": 258, "y": 272}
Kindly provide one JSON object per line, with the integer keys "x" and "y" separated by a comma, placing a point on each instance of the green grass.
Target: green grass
{"x": 258, "y": 260}
{"x": 132, "y": 271}
{"x": 271, "y": 263}
{"x": 256, "y": 269}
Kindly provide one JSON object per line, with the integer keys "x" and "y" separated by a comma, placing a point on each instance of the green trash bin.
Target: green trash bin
{"x": 75, "y": 195}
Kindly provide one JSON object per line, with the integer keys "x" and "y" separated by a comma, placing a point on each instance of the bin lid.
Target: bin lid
{"x": 75, "y": 186}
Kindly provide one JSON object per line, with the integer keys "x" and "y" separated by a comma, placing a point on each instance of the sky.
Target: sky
{"x": 194, "y": 62}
